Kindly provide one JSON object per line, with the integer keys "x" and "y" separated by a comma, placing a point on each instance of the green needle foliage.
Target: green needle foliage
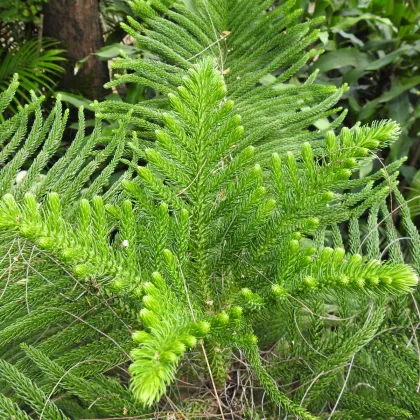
{"x": 233, "y": 235}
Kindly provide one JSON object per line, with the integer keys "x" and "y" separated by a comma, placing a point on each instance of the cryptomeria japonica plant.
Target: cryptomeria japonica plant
{"x": 233, "y": 236}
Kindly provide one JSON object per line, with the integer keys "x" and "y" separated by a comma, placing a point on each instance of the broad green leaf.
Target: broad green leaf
{"x": 400, "y": 148}
{"x": 408, "y": 172}
{"x": 387, "y": 59}
{"x": 399, "y": 110}
{"x": 366, "y": 169}
{"x": 352, "y": 38}
{"x": 342, "y": 58}
{"x": 112, "y": 51}
{"x": 414, "y": 195}
{"x": 322, "y": 124}
{"x": 75, "y": 100}
{"x": 395, "y": 91}
{"x": 323, "y": 36}
{"x": 349, "y": 22}
{"x": 268, "y": 79}
{"x": 352, "y": 76}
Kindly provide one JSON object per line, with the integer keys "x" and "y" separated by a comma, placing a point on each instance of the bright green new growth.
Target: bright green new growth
{"x": 227, "y": 240}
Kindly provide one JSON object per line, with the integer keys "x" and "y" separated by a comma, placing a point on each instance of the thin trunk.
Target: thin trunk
{"x": 76, "y": 24}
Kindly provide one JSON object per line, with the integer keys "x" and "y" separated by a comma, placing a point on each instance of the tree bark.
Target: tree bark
{"x": 76, "y": 24}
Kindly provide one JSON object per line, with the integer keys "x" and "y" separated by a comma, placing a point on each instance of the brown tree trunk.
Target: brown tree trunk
{"x": 75, "y": 23}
